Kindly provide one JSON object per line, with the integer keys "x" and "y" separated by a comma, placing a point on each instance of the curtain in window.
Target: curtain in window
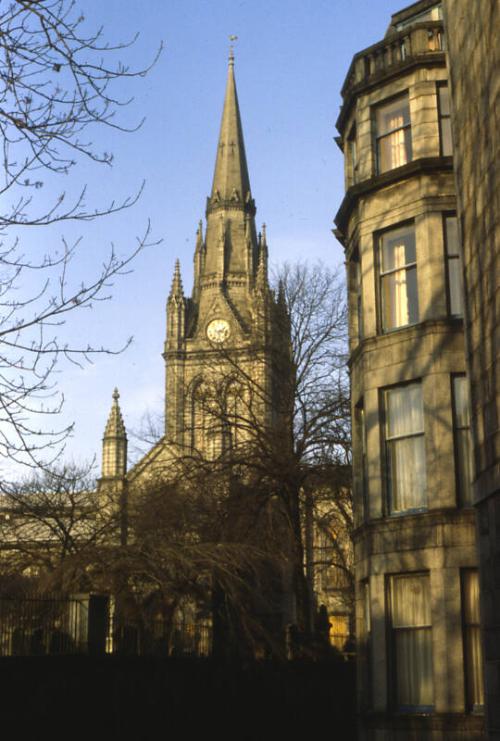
{"x": 396, "y": 142}
{"x": 400, "y": 313}
{"x": 399, "y": 278}
{"x": 473, "y": 649}
{"x": 411, "y": 619}
{"x": 405, "y": 425}
{"x": 393, "y": 147}
{"x": 393, "y": 134}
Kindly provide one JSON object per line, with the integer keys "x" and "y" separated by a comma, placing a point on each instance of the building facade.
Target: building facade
{"x": 474, "y": 61}
{"x": 417, "y": 594}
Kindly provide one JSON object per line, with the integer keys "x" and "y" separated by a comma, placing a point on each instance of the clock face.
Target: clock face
{"x": 218, "y": 330}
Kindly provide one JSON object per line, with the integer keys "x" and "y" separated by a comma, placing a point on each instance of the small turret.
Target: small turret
{"x": 114, "y": 443}
{"x": 177, "y": 290}
{"x": 176, "y": 310}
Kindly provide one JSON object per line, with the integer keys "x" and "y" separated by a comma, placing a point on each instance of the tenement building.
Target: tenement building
{"x": 417, "y": 590}
{"x": 474, "y": 64}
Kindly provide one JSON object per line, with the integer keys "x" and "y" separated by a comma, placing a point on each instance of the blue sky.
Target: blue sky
{"x": 291, "y": 60}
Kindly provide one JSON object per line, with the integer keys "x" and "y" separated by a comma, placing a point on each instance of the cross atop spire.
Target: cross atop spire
{"x": 231, "y": 183}
{"x": 232, "y": 39}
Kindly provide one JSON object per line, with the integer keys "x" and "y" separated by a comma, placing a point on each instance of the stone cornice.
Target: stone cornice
{"x": 376, "y": 342}
{"x": 422, "y": 166}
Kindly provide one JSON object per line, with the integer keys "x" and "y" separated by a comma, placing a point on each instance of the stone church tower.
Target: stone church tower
{"x": 227, "y": 358}
{"x": 228, "y": 326}
{"x": 227, "y": 346}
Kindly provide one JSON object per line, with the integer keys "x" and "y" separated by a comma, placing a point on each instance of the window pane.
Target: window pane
{"x": 411, "y": 620}
{"x": 473, "y": 659}
{"x": 393, "y": 133}
{"x": 452, "y": 240}
{"x": 472, "y": 638}
{"x": 393, "y": 116}
{"x": 464, "y": 465}
{"x": 406, "y": 469}
{"x": 407, "y": 474}
{"x": 461, "y": 401}
{"x": 399, "y": 287}
{"x": 366, "y": 607}
{"x": 454, "y": 266}
{"x": 410, "y": 601}
{"x": 400, "y": 298}
{"x": 414, "y": 667}
{"x": 455, "y": 286}
{"x": 394, "y": 150}
{"x": 463, "y": 446}
{"x": 405, "y": 414}
{"x": 471, "y": 596}
{"x": 398, "y": 248}
{"x": 444, "y": 100}
{"x": 446, "y": 142}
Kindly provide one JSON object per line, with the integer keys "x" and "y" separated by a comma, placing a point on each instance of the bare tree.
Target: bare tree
{"x": 55, "y": 528}
{"x": 57, "y": 81}
{"x": 187, "y": 558}
{"x": 297, "y": 458}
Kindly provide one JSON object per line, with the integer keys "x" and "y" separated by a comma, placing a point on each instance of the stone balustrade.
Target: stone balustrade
{"x": 394, "y": 51}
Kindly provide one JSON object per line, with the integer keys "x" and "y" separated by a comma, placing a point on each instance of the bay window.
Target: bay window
{"x": 405, "y": 451}
{"x": 393, "y": 134}
{"x": 398, "y": 277}
{"x": 411, "y": 641}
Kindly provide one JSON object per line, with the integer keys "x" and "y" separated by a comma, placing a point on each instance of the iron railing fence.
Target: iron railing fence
{"x": 160, "y": 638}
{"x": 52, "y": 624}
{"x": 43, "y": 624}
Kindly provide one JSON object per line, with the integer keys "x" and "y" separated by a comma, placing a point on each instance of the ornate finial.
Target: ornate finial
{"x": 232, "y": 39}
{"x": 115, "y": 426}
{"x": 177, "y": 290}
{"x": 264, "y": 233}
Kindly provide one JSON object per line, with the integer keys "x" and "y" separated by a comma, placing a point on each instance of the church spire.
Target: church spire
{"x": 231, "y": 183}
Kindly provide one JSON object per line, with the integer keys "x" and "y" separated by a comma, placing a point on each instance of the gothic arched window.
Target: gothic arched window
{"x": 205, "y": 422}
{"x": 197, "y": 421}
{"x": 234, "y": 415}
